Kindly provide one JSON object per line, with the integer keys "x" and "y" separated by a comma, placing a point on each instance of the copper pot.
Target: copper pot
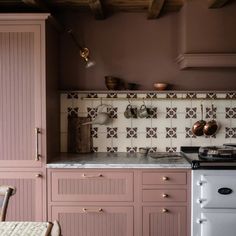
{"x": 198, "y": 127}
{"x": 211, "y": 126}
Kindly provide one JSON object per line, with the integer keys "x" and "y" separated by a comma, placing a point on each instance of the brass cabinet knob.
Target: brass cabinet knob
{"x": 164, "y": 210}
{"x": 165, "y": 178}
{"x": 38, "y": 176}
{"x": 165, "y": 195}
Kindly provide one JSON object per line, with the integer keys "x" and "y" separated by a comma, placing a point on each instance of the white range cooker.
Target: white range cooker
{"x": 213, "y": 191}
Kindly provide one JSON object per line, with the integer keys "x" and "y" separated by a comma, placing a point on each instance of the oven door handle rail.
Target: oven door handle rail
{"x": 201, "y": 221}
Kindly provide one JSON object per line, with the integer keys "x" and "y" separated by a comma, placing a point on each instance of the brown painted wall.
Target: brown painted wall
{"x": 129, "y": 46}
{"x": 208, "y": 30}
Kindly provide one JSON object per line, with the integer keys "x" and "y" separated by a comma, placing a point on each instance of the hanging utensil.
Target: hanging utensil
{"x": 211, "y": 127}
{"x": 197, "y": 128}
{"x": 102, "y": 117}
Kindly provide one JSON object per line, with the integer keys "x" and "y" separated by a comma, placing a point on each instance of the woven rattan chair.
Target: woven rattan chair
{"x": 5, "y": 193}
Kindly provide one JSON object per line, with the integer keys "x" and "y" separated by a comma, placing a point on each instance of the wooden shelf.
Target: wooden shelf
{"x": 149, "y": 95}
{"x": 143, "y": 91}
{"x": 207, "y": 60}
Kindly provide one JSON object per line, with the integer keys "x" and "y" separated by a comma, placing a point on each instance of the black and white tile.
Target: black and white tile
{"x": 151, "y": 132}
{"x": 171, "y": 132}
{"x": 230, "y": 132}
{"x": 92, "y": 112}
{"x": 112, "y": 149}
{"x": 132, "y": 132}
{"x": 171, "y": 149}
{"x": 113, "y": 112}
{"x": 171, "y": 112}
{"x": 112, "y": 132}
{"x": 230, "y": 112}
{"x": 191, "y": 112}
{"x": 168, "y": 125}
{"x": 189, "y": 133}
{"x": 131, "y": 149}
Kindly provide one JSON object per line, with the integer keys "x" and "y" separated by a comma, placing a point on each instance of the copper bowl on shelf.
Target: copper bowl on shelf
{"x": 160, "y": 86}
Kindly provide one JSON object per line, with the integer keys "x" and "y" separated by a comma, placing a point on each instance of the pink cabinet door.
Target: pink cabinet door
{"x": 20, "y": 94}
{"x": 94, "y": 220}
{"x": 164, "y": 221}
{"x": 26, "y": 204}
{"x": 91, "y": 186}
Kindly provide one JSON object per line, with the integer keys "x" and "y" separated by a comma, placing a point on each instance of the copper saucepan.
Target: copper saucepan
{"x": 198, "y": 127}
{"x": 211, "y": 126}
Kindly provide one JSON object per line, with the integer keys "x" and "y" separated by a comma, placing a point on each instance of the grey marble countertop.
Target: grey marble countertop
{"x": 117, "y": 160}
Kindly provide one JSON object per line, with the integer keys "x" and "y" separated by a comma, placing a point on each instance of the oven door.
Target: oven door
{"x": 218, "y": 224}
{"x": 218, "y": 191}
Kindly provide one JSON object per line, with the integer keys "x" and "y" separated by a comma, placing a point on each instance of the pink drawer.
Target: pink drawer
{"x": 164, "y": 195}
{"x": 92, "y": 186}
{"x": 166, "y": 178}
{"x": 96, "y": 220}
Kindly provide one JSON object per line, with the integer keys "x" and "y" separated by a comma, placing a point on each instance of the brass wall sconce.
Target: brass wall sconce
{"x": 84, "y": 52}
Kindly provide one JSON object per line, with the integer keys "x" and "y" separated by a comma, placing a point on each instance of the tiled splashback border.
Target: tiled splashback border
{"x": 166, "y": 129}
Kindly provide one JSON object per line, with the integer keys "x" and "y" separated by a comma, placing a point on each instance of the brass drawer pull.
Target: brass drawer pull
{"x": 165, "y": 178}
{"x": 164, "y": 195}
{"x": 164, "y": 210}
{"x": 92, "y": 176}
{"x": 99, "y": 210}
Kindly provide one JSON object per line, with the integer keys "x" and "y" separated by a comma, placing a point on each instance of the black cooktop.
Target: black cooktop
{"x": 211, "y": 157}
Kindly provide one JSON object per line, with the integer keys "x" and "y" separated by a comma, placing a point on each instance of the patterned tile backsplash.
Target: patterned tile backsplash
{"x": 167, "y": 126}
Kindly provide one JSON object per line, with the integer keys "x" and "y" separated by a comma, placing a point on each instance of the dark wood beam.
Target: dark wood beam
{"x": 38, "y": 4}
{"x": 155, "y": 8}
{"x": 97, "y": 9}
{"x": 216, "y": 3}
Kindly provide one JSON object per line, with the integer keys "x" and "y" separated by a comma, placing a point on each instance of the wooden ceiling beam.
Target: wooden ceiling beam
{"x": 216, "y": 3}
{"x": 155, "y": 8}
{"x": 44, "y": 7}
{"x": 37, "y": 3}
{"x": 97, "y": 9}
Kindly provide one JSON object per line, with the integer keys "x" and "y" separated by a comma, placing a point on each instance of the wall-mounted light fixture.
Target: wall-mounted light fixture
{"x": 84, "y": 52}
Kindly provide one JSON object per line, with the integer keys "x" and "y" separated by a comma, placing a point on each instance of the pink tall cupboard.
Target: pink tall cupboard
{"x": 28, "y": 98}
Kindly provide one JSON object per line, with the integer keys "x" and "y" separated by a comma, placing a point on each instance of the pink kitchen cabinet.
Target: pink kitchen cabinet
{"x": 96, "y": 220}
{"x": 26, "y": 97}
{"x": 166, "y": 202}
{"x": 29, "y": 109}
{"x": 20, "y": 95}
{"x": 26, "y": 204}
{"x": 164, "y": 221}
{"x": 92, "y": 202}
{"x": 115, "y": 202}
